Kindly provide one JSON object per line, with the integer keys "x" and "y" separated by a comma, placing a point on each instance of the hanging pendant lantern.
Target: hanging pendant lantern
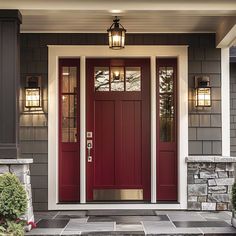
{"x": 116, "y": 35}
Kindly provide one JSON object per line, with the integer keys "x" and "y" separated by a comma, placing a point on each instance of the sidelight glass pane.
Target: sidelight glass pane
{"x": 69, "y": 75}
{"x": 166, "y": 104}
{"x": 69, "y": 118}
{"x": 166, "y": 79}
{"x": 101, "y": 78}
{"x": 166, "y": 129}
{"x": 133, "y": 78}
{"x": 117, "y": 79}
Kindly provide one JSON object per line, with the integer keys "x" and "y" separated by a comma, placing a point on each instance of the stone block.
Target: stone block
{"x": 202, "y": 199}
{"x": 200, "y": 181}
{"x": 196, "y": 206}
{"x": 217, "y": 189}
{"x": 208, "y": 175}
{"x": 211, "y": 182}
{"x": 208, "y": 206}
{"x": 225, "y": 181}
{"x": 231, "y": 174}
{"x": 196, "y": 176}
{"x": 17, "y": 169}
{"x": 220, "y": 166}
{"x": 221, "y": 197}
{"x": 193, "y": 166}
{"x": 229, "y": 167}
{"x": 197, "y": 189}
{"x": 190, "y": 179}
{"x": 221, "y": 206}
{"x": 222, "y": 174}
{"x": 4, "y": 169}
{"x": 192, "y": 198}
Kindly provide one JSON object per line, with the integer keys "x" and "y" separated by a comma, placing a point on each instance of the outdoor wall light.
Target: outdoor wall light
{"x": 32, "y": 92}
{"x": 116, "y": 35}
{"x": 203, "y": 91}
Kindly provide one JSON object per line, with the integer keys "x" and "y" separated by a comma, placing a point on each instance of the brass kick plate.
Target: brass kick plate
{"x": 117, "y": 194}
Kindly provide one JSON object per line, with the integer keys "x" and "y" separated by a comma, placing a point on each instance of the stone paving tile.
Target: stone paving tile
{"x": 121, "y": 212}
{"x": 78, "y": 213}
{"x": 44, "y": 223}
{"x": 89, "y": 227}
{"x": 129, "y": 227}
{"x": 168, "y": 228}
{"x": 47, "y": 231}
{"x": 216, "y": 215}
{"x": 71, "y": 233}
{"x": 70, "y": 217}
{"x": 45, "y": 215}
{"x": 218, "y": 230}
{"x": 185, "y": 217}
{"x": 199, "y": 224}
{"x": 127, "y": 219}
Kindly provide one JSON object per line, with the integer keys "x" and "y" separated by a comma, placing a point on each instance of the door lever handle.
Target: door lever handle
{"x": 89, "y": 147}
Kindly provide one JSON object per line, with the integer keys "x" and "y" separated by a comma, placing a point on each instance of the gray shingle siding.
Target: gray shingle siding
{"x": 204, "y": 59}
{"x": 233, "y": 109}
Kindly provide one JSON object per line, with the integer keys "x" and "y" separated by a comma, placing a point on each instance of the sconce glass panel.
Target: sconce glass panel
{"x": 203, "y": 97}
{"x": 32, "y": 97}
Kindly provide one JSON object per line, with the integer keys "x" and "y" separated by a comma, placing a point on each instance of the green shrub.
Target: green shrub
{"x": 234, "y": 196}
{"x": 13, "y": 197}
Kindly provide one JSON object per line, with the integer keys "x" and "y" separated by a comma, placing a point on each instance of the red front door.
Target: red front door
{"x": 118, "y": 129}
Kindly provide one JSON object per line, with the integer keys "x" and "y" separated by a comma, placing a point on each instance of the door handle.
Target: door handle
{"x": 89, "y": 147}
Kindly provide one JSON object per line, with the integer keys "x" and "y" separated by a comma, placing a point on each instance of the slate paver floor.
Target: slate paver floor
{"x": 132, "y": 222}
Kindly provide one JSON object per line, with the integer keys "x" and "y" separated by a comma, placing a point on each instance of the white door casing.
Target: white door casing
{"x": 57, "y": 51}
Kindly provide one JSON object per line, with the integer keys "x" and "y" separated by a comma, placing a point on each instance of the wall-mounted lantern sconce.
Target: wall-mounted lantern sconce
{"x": 116, "y": 35}
{"x": 32, "y": 92}
{"x": 203, "y": 91}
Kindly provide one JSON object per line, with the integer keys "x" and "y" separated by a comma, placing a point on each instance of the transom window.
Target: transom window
{"x": 117, "y": 78}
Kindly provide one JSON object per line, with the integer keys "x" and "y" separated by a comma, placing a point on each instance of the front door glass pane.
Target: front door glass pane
{"x": 133, "y": 78}
{"x": 101, "y": 78}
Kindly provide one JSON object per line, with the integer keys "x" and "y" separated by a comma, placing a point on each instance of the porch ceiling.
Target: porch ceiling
{"x": 149, "y": 16}
{"x": 134, "y": 21}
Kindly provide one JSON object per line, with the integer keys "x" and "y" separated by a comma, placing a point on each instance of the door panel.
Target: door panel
{"x": 105, "y": 155}
{"x": 166, "y": 129}
{"x": 118, "y": 114}
{"x": 69, "y": 159}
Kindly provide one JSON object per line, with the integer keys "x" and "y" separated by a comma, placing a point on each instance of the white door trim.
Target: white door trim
{"x": 57, "y": 51}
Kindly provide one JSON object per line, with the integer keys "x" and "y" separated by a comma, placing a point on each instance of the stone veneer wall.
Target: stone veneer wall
{"x": 21, "y": 169}
{"x": 210, "y": 183}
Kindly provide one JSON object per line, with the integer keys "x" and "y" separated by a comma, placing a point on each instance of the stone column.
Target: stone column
{"x": 10, "y": 21}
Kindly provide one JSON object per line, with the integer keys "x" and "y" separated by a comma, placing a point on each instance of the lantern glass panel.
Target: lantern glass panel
{"x": 203, "y": 97}
{"x": 32, "y": 97}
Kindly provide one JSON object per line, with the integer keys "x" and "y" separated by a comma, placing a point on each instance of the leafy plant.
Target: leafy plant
{"x": 234, "y": 196}
{"x": 13, "y": 197}
{"x": 13, "y": 205}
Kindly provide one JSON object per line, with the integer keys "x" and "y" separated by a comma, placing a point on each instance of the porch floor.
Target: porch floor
{"x": 132, "y": 222}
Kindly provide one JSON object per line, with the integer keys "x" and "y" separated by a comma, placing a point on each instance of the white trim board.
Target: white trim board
{"x": 54, "y": 53}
